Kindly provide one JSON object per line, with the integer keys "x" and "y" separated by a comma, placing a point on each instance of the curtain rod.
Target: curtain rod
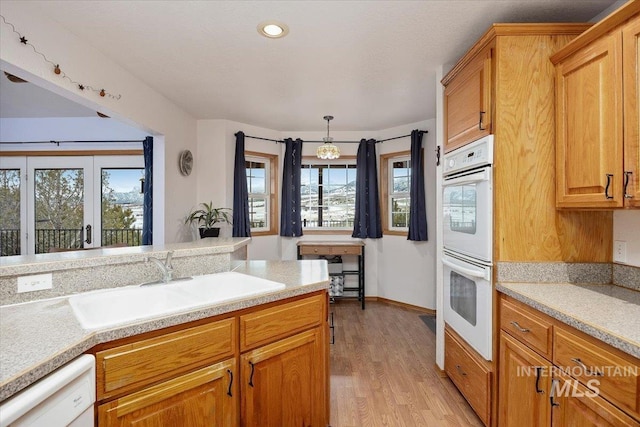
{"x": 335, "y": 142}
{"x": 69, "y": 142}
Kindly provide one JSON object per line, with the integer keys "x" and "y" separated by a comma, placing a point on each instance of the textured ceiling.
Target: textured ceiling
{"x": 371, "y": 64}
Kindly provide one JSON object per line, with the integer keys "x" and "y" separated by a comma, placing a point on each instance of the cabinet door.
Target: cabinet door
{"x": 579, "y": 406}
{"x": 467, "y": 103}
{"x": 284, "y": 383}
{"x": 524, "y": 385}
{"x": 206, "y": 397}
{"x": 631, "y": 75}
{"x": 589, "y": 126}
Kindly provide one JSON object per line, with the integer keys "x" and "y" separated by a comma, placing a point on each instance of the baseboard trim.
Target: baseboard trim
{"x": 440, "y": 372}
{"x": 405, "y": 305}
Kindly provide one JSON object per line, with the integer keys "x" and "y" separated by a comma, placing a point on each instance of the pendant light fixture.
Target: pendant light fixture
{"x": 328, "y": 151}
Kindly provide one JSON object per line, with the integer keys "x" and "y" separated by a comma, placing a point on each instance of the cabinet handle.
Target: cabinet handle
{"x": 586, "y": 369}
{"x": 463, "y": 373}
{"x": 520, "y": 328}
{"x": 553, "y": 387}
{"x": 627, "y": 174}
{"x": 253, "y": 367}
{"x": 538, "y": 371}
{"x": 230, "y": 382}
{"x": 606, "y": 189}
{"x": 480, "y": 124}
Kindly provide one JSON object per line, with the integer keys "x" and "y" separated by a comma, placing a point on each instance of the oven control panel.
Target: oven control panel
{"x": 478, "y": 153}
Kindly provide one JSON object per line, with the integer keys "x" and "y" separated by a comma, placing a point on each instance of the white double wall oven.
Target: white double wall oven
{"x": 467, "y": 203}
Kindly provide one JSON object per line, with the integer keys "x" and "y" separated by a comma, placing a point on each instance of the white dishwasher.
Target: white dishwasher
{"x": 64, "y": 398}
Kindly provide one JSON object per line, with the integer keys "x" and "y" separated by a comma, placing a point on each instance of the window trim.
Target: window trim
{"x": 385, "y": 195}
{"x": 349, "y": 159}
{"x": 272, "y": 161}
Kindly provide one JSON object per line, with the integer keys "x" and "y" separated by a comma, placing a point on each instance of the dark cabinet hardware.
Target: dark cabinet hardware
{"x": 538, "y": 371}
{"x": 553, "y": 402}
{"x": 463, "y": 373}
{"x": 627, "y": 176}
{"x": 253, "y": 367}
{"x": 520, "y": 328}
{"x": 438, "y": 155}
{"x": 586, "y": 369}
{"x": 230, "y": 382}
{"x": 606, "y": 189}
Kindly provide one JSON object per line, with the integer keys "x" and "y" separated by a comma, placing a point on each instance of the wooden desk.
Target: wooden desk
{"x": 346, "y": 247}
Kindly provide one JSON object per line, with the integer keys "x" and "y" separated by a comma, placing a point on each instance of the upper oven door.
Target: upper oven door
{"x": 467, "y": 203}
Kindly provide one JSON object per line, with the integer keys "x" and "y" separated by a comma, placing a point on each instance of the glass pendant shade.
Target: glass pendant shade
{"x": 328, "y": 151}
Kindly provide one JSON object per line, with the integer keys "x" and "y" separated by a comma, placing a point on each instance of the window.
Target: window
{"x": 262, "y": 187}
{"x": 328, "y": 194}
{"x": 395, "y": 182}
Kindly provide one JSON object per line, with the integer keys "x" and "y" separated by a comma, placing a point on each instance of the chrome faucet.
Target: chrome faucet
{"x": 165, "y": 267}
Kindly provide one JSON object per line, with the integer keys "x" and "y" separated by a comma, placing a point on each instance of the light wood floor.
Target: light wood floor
{"x": 383, "y": 374}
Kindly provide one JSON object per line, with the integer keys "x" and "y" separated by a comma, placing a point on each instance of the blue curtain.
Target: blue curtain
{"x": 147, "y": 211}
{"x": 291, "y": 219}
{"x": 241, "y": 224}
{"x": 417, "y": 209}
{"x": 367, "y": 223}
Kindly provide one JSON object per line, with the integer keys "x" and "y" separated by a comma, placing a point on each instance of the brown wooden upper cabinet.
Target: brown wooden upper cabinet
{"x": 597, "y": 149}
{"x": 467, "y": 103}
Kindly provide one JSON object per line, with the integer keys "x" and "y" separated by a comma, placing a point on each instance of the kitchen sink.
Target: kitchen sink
{"x": 100, "y": 309}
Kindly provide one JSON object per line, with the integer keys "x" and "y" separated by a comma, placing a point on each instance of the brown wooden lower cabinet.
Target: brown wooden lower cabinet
{"x": 582, "y": 387}
{"x": 206, "y": 397}
{"x": 524, "y": 386}
{"x": 197, "y": 376}
{"x": 282, "y": 383}
{"x": 577, "y": 405}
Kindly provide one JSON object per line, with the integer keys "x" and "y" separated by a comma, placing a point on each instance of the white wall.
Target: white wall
{"x": 139, "y": 105}
{"x": 626, "y": 228}
{"x": 406, "y": 269}
{"x": 66, "y": 129}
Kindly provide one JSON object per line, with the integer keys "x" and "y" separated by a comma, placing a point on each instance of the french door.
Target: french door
{"x": 68, "y": 202}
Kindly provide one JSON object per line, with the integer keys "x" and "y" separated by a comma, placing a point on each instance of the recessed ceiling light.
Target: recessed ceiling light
{"x": 273, "y": 29}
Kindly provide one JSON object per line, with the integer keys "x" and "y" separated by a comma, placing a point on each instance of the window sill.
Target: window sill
{"x": 395, "y": 233}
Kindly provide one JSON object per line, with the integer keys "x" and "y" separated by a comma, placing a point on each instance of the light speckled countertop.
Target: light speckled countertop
{"x": 607, "y": 312}
{"x": 40, "y": 336}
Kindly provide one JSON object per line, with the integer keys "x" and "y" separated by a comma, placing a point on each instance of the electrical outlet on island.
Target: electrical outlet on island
{"x": 620, "y": 251}
{"x": 35, "y": 282}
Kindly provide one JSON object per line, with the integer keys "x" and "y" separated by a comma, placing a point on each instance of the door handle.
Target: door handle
{"x": 88, "y": 239}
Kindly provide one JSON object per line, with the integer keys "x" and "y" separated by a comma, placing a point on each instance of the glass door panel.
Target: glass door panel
{"x": 12, "y": 209}
{"x": 122, "y": 205}
{"x": 61, "y": 196}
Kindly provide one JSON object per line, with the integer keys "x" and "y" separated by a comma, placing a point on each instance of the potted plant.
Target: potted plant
{"x": 206, "y": 217}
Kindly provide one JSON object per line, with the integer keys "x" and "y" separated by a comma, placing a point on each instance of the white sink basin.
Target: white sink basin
{"x": 122, "y": 305}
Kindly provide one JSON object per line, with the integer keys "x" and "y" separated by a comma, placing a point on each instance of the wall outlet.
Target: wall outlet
{"x": 36, "y": 282}
{"x": 619, "y": 251}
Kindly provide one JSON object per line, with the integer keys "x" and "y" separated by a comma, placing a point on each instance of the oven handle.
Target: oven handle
{"x": 473, "y": 273}
{"x": 468, "y": 179}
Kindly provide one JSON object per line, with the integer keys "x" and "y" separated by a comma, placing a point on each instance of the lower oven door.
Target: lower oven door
{"x": 468, "y": 301}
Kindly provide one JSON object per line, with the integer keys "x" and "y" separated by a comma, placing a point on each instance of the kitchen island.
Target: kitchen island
{"x": 39, "y": 336}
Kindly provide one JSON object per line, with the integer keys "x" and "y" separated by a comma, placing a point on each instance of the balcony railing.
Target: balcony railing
{"x": 10, "y": 242}
{"x": 67, "y": 238}
{"x": 348, "y": 223}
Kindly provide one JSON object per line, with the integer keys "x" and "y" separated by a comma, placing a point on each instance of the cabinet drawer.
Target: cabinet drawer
{"x": 315, "y": 250}
{"x": 524, "y": 324}
{"x": 470, "y": 375}
{"x": 346, "y": 250}
{"x": 264, "y": 326}
{"x": 148, "y": 361}
{"x": 618, "y": 376}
